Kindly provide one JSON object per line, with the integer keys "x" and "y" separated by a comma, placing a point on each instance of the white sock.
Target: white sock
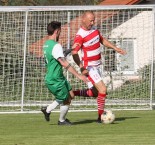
{"x": 63, "y": 112}
{"x": 52, "y": 106}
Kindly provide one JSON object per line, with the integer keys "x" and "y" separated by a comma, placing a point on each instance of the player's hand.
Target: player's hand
{"x": 83, "y": 78}
{"x": 76, "y": 45}
{"x": 121, "y": 51}
{"x": 84, "y": 71}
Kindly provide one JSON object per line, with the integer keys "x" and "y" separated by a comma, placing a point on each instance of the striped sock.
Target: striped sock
{"x": 101, "y": 104}
{"x": 84, "y": 93}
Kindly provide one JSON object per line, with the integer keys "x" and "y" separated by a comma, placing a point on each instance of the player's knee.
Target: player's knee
{"x": 103, "y": 90}
{"x": 67, "y": 102}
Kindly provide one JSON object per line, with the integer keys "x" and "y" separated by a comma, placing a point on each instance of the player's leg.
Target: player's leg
{"x": 84, "y": 93}
{"x": 100, "y": 91}
{"x": 101, "y": 98}
{"x": 92, "y": 92}
{"x": 47, "y": 110}
{"x": 52, "y": 106}
{"x": 64, "y": 110}
{"x": 68, "y": 95}
{"x": 55, "y": 89}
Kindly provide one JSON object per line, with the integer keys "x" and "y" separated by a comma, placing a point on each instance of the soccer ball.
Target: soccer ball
{"x": 108, "y": 117}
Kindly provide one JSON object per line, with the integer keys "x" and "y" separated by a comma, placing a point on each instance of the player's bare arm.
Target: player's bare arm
{"x": 67, "y": 65}
{"x": 75, "y": 55}
{"x": 110, "y": 45}
{"x": 76, "y": 59}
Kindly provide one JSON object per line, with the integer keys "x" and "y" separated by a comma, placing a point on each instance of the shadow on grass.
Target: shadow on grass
{"x": 124, "y": 118}
{"x": 79, "y": 122}
{"x": 92, "y": 121}
{"x": 117, "y": 120}
{"x": 83, "y": 122}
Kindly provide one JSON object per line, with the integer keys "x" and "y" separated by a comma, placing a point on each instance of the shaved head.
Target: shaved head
{"x": 88, "y": 20}
{"x": 88, "y": 14}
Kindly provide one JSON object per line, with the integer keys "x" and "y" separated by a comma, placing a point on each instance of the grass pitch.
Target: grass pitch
{"x": 129, "y": 128}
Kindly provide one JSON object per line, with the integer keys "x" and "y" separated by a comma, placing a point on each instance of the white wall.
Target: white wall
{"x": 139, "y": 28}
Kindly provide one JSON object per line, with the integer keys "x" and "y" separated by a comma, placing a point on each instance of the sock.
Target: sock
{"x": 101, "y": 104}
{"x": 84, "y": 93}
{"x": 52, "y": 106}
{"x": 63, "y": 112}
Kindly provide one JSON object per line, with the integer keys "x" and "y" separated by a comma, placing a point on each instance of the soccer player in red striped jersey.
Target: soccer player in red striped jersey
{"x": 88, "y": 39}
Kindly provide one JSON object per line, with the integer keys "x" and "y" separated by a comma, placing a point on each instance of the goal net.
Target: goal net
{"x": 129, "y": 79}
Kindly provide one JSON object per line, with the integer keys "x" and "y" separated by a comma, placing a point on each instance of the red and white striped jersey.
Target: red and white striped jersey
{"x": 90, "y": 41}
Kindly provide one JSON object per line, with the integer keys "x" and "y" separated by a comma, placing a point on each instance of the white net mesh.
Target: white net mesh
{"x": 128, "y": 78}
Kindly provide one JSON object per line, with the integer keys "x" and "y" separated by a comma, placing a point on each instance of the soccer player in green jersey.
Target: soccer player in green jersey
{"x": 54, "y": 79}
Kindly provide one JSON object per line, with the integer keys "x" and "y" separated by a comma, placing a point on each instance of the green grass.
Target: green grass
{"x": 130, "y": 128}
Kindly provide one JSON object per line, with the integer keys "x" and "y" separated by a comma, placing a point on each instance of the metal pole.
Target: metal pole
{"x": 152, "y": 61}
{"x": 68, "y": 20}
{"x": 24, "y": 63}
{"x": 68, "y": 42}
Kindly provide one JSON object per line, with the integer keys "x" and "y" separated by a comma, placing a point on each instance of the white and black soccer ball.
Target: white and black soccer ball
{"x": 108, "y": 117}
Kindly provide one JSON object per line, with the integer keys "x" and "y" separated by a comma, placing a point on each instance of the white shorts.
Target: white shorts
{"x": 94, "y": 75}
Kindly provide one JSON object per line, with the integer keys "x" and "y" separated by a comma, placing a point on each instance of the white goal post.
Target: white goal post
{"x": 130, "y": 79}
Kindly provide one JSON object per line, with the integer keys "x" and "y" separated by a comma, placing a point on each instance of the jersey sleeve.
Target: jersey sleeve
{"x": 78, "y": 39}
{"x": 57, "y": 51}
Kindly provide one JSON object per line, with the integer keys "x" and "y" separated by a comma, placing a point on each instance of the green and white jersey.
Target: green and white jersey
{"x": 52, "y": 51}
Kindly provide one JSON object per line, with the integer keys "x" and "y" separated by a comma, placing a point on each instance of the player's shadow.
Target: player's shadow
{"x": 79, "y": 122}
{"x": 117, "y": 120}
{"x": 86, "y": 121}
{"x": 83, "y": 122}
